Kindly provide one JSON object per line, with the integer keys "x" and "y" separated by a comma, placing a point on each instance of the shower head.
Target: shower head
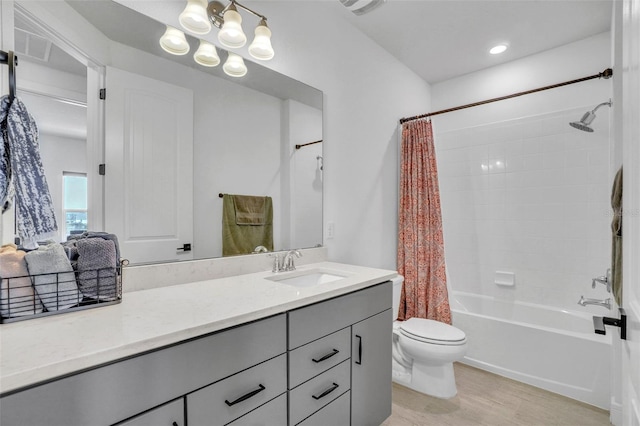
{"x": 587, "y": 119}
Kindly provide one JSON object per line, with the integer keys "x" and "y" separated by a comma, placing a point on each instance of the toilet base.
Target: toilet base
{"x": 434, "y": 380}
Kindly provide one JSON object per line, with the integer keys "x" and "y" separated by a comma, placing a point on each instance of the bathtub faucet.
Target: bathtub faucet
{"x": 585, "y": 301}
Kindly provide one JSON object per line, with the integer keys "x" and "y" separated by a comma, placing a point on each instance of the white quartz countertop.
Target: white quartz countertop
{"x": 37, "y": 350}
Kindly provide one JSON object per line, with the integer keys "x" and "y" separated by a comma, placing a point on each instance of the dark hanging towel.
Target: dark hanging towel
{"x": 21, "y": 171}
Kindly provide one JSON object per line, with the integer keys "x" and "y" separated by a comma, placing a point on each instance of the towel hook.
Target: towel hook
{"x": 11, "y": 60}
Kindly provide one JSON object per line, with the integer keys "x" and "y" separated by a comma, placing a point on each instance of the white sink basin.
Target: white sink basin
{"x": 308, "y": 278}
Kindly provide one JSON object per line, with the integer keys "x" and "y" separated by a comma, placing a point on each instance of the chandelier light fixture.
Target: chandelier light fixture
{"x": 174, "y": 41}
{"x": 200, "y": 16}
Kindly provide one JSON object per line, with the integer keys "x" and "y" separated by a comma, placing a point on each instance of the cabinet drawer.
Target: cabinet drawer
{"x": 228, "y": 399}
{"x": 313, "y": 358}
{"x": 312, "y": 322}
{"x": 273, "y": 413}
{"x": 133, "y": 385}
{"x": 335, "y": 413}
{"x": 311, "y": 396}
{"x": 171, "y": 414}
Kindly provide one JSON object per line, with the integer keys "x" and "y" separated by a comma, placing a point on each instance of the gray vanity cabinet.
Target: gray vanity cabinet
{"x": 123, "y": 390}
{"x": 328, "y": 363}
{"x": 370, "y": 383}
{"x": 322, "y": 330}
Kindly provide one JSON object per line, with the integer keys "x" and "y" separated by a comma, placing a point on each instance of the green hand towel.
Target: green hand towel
{"x": 253, "y": 227}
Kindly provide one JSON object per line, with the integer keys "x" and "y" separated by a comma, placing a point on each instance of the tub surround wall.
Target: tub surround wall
{"x": 522, "y": 191}
{"x": 529, "y": 196}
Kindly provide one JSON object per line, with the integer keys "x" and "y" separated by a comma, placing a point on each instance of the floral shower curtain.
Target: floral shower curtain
{"x": 420, "y": 240}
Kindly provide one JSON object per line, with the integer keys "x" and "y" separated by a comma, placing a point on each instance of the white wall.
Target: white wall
{"x": 521, "y": 190}
{"x": 366, "y": 91}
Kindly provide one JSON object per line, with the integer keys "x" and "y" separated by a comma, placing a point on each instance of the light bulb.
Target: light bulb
{"x": 234, "y": 66}
{"x": 174, "y": 42}
{"x": 261, "y": 48}
{"x": 206, "y": 55}
{"x": 231, "y": 34}
{"x": 194, "y": 17}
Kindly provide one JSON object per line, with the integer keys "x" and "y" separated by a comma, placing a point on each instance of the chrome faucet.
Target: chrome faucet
{"x": 585, "y": 301}
{"x": 287, "y": 262}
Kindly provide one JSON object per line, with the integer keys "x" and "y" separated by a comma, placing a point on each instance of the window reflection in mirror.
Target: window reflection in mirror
{"x": 75, "y": 203}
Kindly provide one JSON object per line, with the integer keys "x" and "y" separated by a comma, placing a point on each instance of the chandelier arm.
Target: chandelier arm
{"x": 248, "y": 10}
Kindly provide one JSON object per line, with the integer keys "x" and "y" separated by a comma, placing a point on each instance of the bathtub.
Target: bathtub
{"x": 548, "y": 348}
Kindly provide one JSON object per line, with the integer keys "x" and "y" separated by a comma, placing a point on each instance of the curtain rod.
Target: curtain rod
{"x": 604, "y": 74}
{"x": 305, "y": 144}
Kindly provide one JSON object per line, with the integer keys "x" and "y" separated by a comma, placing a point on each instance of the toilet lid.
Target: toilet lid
{"x": 431, "y": 331}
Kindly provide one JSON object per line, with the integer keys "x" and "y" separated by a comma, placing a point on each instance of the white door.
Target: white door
{"x": 149, "y": 158}
{"x": 631, "y": 217}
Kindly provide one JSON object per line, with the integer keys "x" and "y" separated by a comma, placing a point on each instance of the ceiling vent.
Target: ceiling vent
{"x": 32, "y": 45}
{"x": 360, "y": 7}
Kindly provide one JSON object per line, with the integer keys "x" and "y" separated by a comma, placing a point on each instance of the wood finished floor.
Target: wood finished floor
{"x": 488, "y": 399}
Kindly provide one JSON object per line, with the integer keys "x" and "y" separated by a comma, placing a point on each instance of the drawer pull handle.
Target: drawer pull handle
{"x": 327, "y": 356}
{"x": 359, "y": 361}
{"x": 246, "y": 396}
{"x": 327, "y": 392}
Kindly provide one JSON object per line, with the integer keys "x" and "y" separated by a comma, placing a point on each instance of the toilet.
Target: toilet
{"x": 424, "y": 351}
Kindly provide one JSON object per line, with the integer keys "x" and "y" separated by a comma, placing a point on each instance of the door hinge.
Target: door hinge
{"x": 103, "y": 94}
{"x": 101, "y": 169}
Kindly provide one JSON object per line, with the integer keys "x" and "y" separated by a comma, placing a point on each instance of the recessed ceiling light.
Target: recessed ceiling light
{"x": 498, "y": 49}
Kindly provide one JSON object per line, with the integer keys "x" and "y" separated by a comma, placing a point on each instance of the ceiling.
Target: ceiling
{"x": 442, "y": 39}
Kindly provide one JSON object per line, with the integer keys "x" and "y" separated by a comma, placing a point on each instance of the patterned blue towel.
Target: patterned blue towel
{"x": 21, "y": 168}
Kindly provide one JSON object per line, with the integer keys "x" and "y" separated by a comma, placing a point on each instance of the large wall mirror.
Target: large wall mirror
{"x": 198, "y": 133}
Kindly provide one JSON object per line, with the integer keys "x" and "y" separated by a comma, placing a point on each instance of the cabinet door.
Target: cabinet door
{"x": 171, "y": 414}
{"x": 371, "y": 370}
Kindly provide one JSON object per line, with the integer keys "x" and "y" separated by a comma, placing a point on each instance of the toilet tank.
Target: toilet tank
{"x": 397, "y": 290}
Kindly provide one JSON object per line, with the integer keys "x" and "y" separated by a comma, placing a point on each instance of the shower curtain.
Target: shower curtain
{"x": 420, "y": 239}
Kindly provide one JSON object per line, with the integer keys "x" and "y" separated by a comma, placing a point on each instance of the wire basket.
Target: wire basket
{"x": 34, "y": 296}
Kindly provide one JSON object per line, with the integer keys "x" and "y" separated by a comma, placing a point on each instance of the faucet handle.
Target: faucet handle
{"x": 277, "y": 263}
{"x": 603, "y": 279}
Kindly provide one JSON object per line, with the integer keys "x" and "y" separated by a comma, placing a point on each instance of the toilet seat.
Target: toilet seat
{"x": 433, "y": 332}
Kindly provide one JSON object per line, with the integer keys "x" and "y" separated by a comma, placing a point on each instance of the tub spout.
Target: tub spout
{"x": 586, "y": 301}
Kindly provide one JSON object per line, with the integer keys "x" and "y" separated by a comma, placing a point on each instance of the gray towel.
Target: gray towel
{"x": 21, "y": 169}
{"x": 53, "y": 277}
{"x": 17, "y": 297}
{"x": 93, "y": 234}
{"x": 97, "y": 268}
